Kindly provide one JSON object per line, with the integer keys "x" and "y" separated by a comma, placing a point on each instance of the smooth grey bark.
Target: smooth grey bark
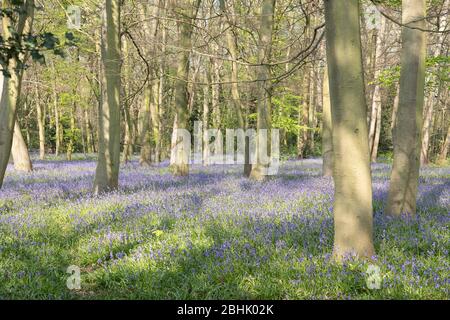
{"x": 107, "y": 172}
{"x": 407, "y": 139}
{"x": 352, "y": 208}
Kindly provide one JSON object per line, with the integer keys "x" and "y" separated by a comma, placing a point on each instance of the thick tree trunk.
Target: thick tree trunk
{"x": 407, "y": 140}
{"x": 11, "y": 88}
{"x": 433, "y": 98}
{"x": 107, "y": 172}
{"x": 264, "y": 92}
{"x": 352, "y": 179}
{"x": 327, "y": 137}
{"x": 19, "y": 151}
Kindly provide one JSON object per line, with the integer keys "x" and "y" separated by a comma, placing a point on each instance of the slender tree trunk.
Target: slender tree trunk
{"x": 407, "y": 140}
{"x": 87, "y": 125}
{"x": 205, "y": 120}
{"x": 146, "y": 137}
{"x": 302, "y": 138}
{"x": 58, "y": 137}
{"x": 312, "y": 110}
{"x": 70, "y": 145}
{"x": 394, "y": 112}
{"x": 215, "y": 93}
{"x": 445, "y": 146}
{"x": 187, "y": 12}
{"x": 376, "y": 138}
{"x": 20, "y": 155}
{"x": 352, "y": 179}
{"x": 107, "y": 172}
{"x": 128, "y": 139}
{"x": 162, "y": 85}
{"x": 426, "y": 131}
{"x": 41, "y": 124}
{"x": 235, "y": 94}
{"x": 327, "y": 137}
{"x": 154, "y": 113}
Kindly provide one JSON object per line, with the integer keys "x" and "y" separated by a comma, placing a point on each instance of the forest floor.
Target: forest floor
{"x": 213, "y": 235}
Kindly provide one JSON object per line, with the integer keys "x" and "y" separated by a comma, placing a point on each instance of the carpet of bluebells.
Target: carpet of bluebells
{"x": 213, "y": 235}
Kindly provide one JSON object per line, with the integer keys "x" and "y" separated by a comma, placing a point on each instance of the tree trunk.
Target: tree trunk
{"x": 11, "y": 87}
{"x": 70, "y": 145}
{"x": 433, "y": 99}
{"x": 394, "y": 112}
{"x": 352, "y": 179}
{"x": 20, "y": 155}
{"x": 407, "y": 140}
{"x": 312, "y": 110}
{"x": 187, "y": 12}
{"x": 235, "y": 95}
{"x": 146, "y": 137}
{"x": 302, "y": 137}
{"x": 128, "y": 139}
{"x": 426, "y": 131}
{"x": 327, "y": 142}
{"x": 445, "y": 146}
{"x": 89, "y": 138}
{"x": 154, "y": 113}
{"x": 376, "y": 138}
{"x": 41, "y": 124}
{"x": 58, "y": 137}
{"x": 264, "y": 92}
{"x": 205, "y": 120}
{"x": 107, "y": 172}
